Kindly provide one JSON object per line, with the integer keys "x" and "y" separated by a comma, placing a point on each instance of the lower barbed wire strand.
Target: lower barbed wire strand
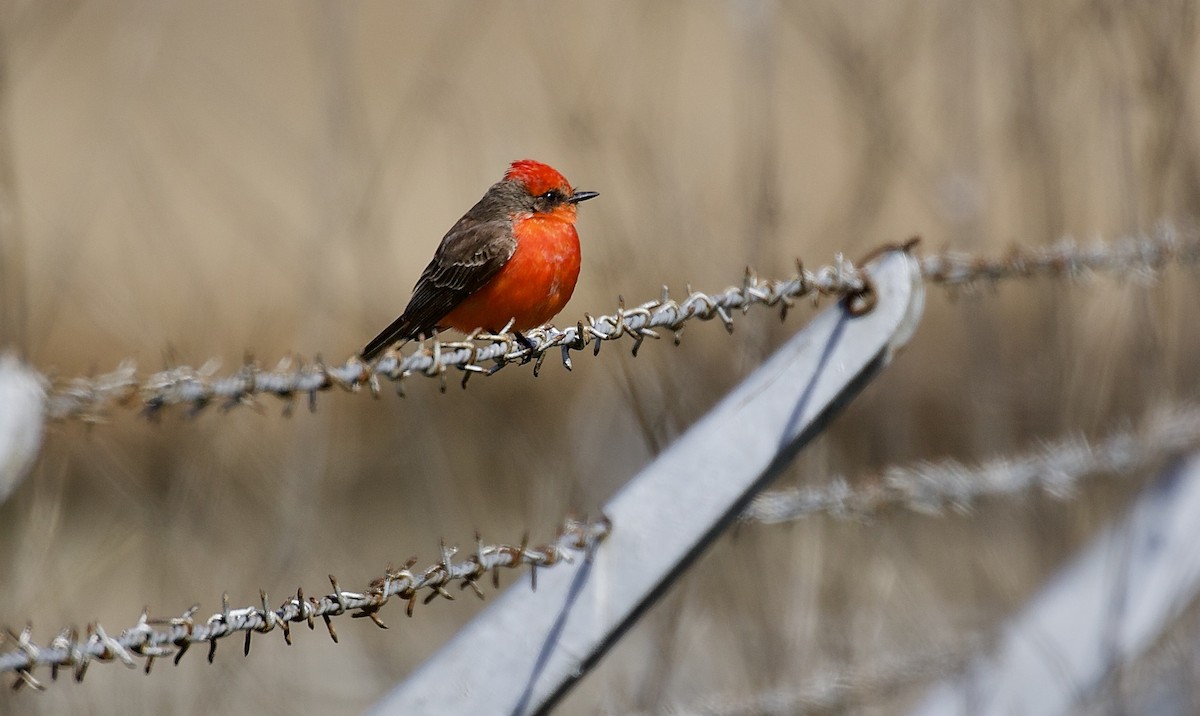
{"x": 151, "y": 638}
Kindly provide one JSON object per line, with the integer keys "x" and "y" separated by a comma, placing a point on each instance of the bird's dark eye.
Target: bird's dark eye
{"x": 553, "y": 196}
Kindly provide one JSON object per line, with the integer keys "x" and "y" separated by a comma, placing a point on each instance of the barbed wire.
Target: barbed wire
{"x": 89, "y": 398}
{"x": 1140, "y": 256}
{"x": 151, "y": 638}
{"x": 1056, "y": 468}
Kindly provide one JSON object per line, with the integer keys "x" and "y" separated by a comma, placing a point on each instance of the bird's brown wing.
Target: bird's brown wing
{"x": 468, "y": 257}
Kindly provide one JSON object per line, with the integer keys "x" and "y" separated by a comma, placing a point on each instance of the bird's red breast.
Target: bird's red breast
{"x": 536, "y": 282}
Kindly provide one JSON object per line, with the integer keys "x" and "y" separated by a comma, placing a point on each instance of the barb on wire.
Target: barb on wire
{"x": 89, "y": 398}
{"x": 1139, "y": 256}
{"x": 151, "y": 638}
{"x": 1057, "y": 468}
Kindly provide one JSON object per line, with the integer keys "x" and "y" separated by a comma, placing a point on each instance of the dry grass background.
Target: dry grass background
{"x": 185, "y": 181}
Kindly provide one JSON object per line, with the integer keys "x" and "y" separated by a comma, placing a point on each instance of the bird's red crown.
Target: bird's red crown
{"x": 536, "y": 177}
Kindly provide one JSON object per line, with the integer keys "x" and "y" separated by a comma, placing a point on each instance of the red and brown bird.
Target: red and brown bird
{"x": 513, "y": 258}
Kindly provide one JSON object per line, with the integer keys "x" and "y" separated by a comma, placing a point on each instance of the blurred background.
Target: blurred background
{"x": 186, "y": 182}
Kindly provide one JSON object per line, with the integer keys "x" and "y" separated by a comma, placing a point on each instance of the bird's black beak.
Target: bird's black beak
{"x": 582, "y": 196}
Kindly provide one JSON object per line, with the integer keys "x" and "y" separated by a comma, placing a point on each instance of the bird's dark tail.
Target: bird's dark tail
{"x": 401, "y": 329}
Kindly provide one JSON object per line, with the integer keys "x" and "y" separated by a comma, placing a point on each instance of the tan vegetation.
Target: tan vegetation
{"x": 187, "y": 181}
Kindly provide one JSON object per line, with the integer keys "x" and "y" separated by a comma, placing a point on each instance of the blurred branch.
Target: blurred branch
{"x": 153, "y": 638}
{"x": 1057, "y": 469}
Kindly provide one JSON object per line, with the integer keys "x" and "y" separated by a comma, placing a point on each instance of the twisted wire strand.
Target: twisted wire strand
{"x": 89, "y": 398}
{"x": 1057, "y": 468}
{"x": 151, "y": 638}
{"x": 1139, "y": 257}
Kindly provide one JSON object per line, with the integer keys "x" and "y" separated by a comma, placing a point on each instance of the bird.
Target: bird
{"x": 511, "y": 262}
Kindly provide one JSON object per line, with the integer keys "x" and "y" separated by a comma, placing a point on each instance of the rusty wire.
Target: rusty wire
{"x": 89, "y": 398}
{"x": 152, "y": 638}
{"x": 1056, "y": 469}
